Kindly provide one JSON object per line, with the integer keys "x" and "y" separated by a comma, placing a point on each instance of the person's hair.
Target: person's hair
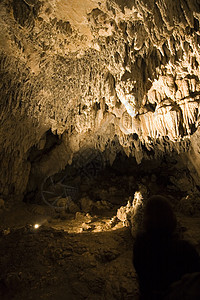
{"x": 159, "y": 216}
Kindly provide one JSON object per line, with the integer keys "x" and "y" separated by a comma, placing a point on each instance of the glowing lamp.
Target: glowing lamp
{"x": 36, "y": 226}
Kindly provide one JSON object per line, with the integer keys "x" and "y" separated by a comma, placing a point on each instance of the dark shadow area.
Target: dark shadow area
{"x": 122, "y": 4}
{"x": 162, "y": 257}
{"x": 47, "y": 143}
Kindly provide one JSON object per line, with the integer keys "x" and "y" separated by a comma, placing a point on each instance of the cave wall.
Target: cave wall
{"x": 94, "y": 72}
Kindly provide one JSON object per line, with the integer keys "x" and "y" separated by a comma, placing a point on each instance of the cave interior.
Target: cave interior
{"x": 99, "y": 109}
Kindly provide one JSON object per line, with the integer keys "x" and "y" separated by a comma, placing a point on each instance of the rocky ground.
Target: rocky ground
{"x": 82, "y": 250}
{"x": 64, "y": 259}
{"x": 51, "y": 263}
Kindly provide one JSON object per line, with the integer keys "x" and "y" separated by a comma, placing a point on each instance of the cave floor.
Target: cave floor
{"x": 79, "y": 257}
{"x": 60, "y": 260}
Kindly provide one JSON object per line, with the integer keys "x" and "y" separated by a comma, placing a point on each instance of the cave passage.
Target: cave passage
{"x": 72, "y": 238}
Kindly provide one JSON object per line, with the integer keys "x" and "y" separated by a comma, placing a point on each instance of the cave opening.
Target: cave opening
{"x": 91, "y": 175}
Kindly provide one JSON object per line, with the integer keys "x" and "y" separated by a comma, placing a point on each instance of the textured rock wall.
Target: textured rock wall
{"x": 101, "y": 74}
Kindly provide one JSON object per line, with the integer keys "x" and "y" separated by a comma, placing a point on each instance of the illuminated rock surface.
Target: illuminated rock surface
{"x": 92, "y": 72}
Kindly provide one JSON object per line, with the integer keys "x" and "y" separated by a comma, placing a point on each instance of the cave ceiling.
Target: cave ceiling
{"x": 104, "y": 74}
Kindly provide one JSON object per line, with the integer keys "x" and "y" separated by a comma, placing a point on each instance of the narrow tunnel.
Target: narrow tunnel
{"x": 99, "y": 111}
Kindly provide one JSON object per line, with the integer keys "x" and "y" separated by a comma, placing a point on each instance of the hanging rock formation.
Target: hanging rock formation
{"x": 107, "y": 74}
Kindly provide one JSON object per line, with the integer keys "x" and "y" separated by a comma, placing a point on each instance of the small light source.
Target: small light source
{"x": 36, "y": 226}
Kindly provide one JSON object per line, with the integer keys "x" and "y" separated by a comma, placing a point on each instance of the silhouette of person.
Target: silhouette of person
{"x": 160, "y": 257}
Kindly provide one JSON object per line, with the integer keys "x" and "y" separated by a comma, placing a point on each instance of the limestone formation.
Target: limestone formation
{"x": 107, "y": 75}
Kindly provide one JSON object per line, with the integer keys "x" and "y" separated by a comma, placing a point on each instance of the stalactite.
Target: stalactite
{"x": 133, "y": 66}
